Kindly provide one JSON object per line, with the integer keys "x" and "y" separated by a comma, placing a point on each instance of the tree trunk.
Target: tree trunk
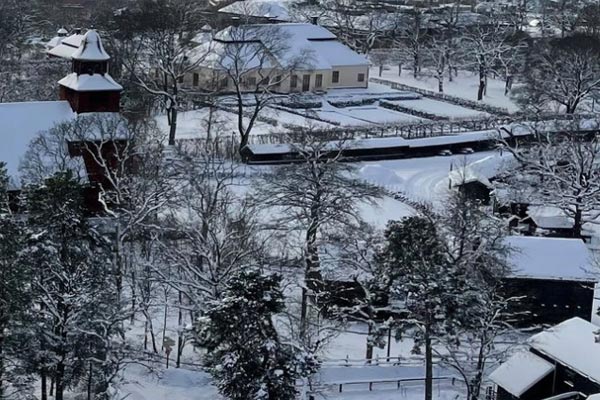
{"x": 1, "y": 365}
{"x": 312, "y": 275}
{"x": 440, "y": 79}
{"x": 369, "y": 353}
{"x": 59, "y": 375}
{"x": 428, "y": 365}
{"x": 43, "y": 384}
{"x": 89, "y": 385}
{"x": 380, "y": 70}
{"x": 577, "y": 222}
{"x": 399, "y": 69}
{"x": 416, "y": 65}
{"x": 481, "y": 83}
{"x": 303, "y": 312}
{"x": 179, "y": 331}
{"x": 508, "y": 84}
{"x": 173, "y": 127}
{"x": 133, "y": 297}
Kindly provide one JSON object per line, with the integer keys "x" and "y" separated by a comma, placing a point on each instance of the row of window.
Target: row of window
{"x": 251, "y": 81}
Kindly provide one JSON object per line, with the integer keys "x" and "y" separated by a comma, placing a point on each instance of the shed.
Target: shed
{"x": 561, "y": 360}
{"x": 555, "y": 276}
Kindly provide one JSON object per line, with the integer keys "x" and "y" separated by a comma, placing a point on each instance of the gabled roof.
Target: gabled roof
{"x": 67, "y": 46}
{"x": 573, "y": 343}
{"x": 521, "y": 372}
{"x": 550, "y": 258}
{"x": 91, "y": 48}
{"x": 291, "y": 44}
{"x": 550, "y": 217}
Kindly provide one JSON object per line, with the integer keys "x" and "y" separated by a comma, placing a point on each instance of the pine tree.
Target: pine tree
{"x": 14, "y": 294}
{"x": 72, "y": 285}
{"x": 425, "y": 284}
{"x": 246, "y": 356}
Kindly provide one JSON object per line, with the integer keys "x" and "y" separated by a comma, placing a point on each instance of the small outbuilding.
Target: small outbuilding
{"x": 562, "y": 360}
{"x": 554, "y": 278}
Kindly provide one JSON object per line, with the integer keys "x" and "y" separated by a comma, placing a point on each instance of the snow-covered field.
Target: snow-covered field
{"x": 464, "y": 85}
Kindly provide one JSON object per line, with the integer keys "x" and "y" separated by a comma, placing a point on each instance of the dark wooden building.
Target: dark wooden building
{"x": 562, "y": 360}
{"x": 553, "y": 277}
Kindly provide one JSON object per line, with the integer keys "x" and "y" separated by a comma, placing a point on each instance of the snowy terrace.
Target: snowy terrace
{"x": 348, "y": 109}
{"x": 463, "y": 86}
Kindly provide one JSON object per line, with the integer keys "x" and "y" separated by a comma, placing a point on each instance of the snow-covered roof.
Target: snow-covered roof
{"x": 55, "y": 41}
{"x": 481, "y": 170}
{"x": 550, "y": 217}
{"x": 550, "y": 258}
{"x": 68, "y": 45}
{"x": 90, "y": 83}
{"x": 291, "y": 44}
{"x": 62, "y": 31}
{"x": 572, "y": 343}
{"x": 91, "y": 48}
{"x": 219, "y": 55}
{"x": 275, "y": 10}
{"x": 21, "y": 122}
{"x": 520, "y": 372}
{"x": 336, "y": 53}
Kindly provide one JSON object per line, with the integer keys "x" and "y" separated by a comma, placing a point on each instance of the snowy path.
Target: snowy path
{"x": 422, "y": 179}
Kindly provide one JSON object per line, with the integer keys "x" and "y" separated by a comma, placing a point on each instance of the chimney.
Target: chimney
{"x": 314, "y": 20}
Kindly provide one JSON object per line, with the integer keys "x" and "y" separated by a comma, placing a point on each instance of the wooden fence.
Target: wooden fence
{"x": 444, "y": 97}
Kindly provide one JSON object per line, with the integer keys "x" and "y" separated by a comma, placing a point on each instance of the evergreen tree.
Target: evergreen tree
{"x": 425, "y": 283}
{"x": 72, "y": 285}
{"x": 246, "y": 356}
{"x": 14, "y": 295}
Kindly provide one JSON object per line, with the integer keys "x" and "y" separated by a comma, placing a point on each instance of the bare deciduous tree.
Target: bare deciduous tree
{"x": 561, "y": 170}
{"x": 314, "y": 198}
{"x": 562, "y": 73}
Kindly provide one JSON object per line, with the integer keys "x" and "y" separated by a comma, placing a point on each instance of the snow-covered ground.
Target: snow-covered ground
{"x": 421, "y": 179}
{"x": 464, "y": 85}
{"x": 172, "y": 384}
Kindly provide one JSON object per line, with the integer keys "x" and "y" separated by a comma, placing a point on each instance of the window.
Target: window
{"x": 361, "y": 77}
{"x": 224, "y": 83}
{"x": 278, "y": 79}
{"x": 265, "y": 81}
{"x": 319, "y": 81}
{"x": 251, "y": 81}
{"x": 335, "y": 78}
{"x": 180, "y": 79}
{"x": 196, "y": 79}
{"x": 294, "y": 81}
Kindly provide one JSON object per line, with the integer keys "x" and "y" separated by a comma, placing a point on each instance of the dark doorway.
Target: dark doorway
{"x": 305, "y": 83}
